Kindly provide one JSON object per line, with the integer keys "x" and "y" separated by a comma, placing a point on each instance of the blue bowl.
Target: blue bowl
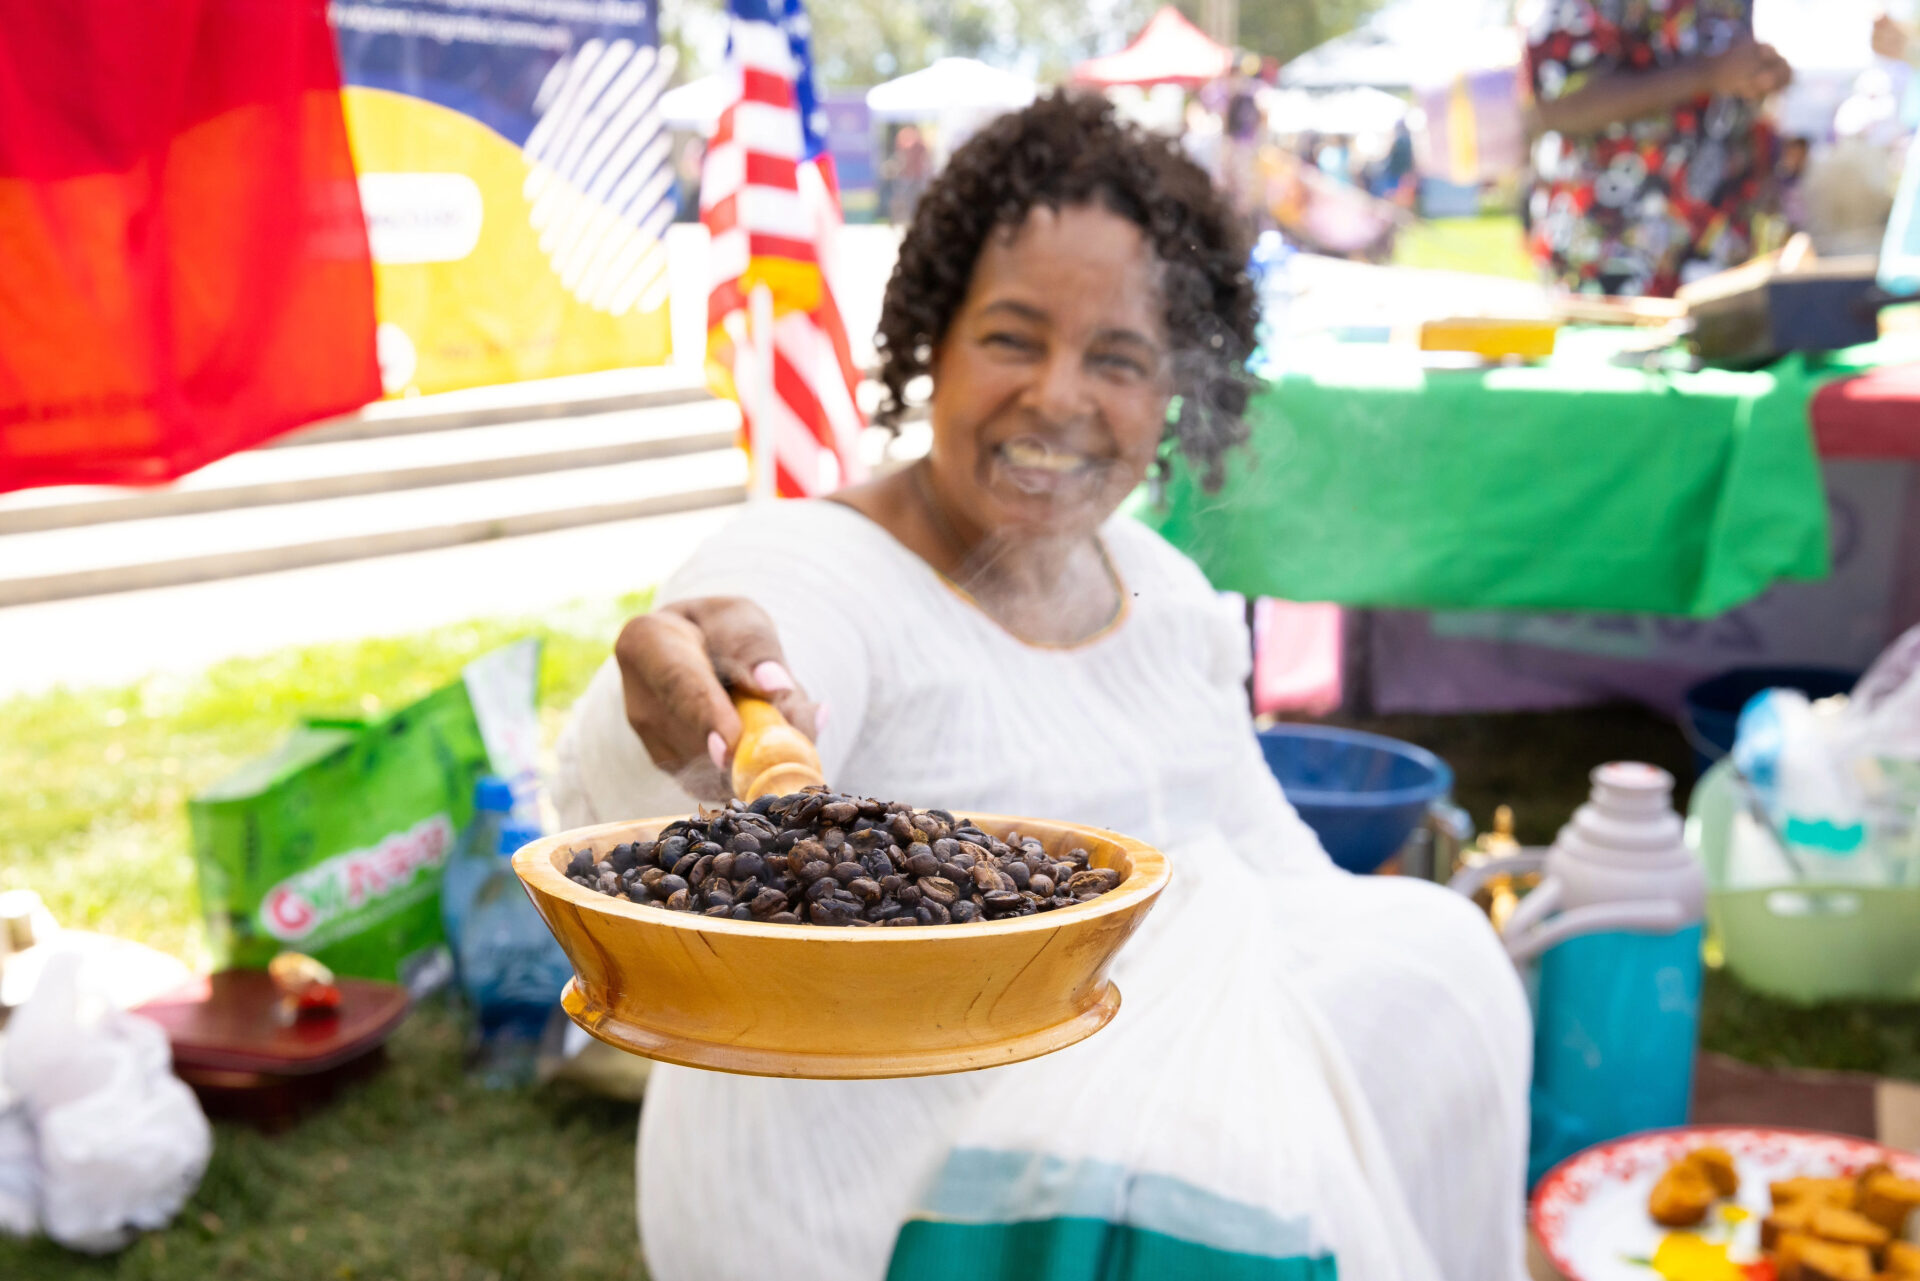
{"x": 1363, "y": 794}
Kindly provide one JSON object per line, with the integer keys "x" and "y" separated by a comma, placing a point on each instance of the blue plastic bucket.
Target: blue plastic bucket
{"x": 1712, "y": 707}
{"x": 1363, "y": 794}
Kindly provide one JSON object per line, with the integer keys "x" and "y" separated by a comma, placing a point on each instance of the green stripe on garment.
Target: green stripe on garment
{"x": 1075, "y": 1249}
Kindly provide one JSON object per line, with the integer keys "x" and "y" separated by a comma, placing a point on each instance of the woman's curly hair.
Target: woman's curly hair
{"x": 1068, "y": 149}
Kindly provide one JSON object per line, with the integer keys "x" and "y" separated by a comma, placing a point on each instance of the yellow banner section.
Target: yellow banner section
{"x": 489, "y": 268}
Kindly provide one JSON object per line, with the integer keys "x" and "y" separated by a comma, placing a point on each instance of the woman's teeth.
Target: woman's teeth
{"x": 1041, "y": 457}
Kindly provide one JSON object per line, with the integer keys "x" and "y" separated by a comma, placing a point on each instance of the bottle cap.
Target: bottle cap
{"x": 492, "y": 794}
{"x": 514, "y": 835}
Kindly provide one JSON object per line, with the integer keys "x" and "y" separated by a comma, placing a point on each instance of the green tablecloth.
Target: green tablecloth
{"x": 1573, "y": 484}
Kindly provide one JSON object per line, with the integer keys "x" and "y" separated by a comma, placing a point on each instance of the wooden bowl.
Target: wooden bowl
{"x": 835, "y": 1002}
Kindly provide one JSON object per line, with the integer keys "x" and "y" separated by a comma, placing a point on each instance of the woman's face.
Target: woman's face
{"x": 1050, "y": 387}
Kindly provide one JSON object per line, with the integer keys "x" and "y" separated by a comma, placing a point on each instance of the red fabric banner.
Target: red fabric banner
{"x": 183, "y": 262}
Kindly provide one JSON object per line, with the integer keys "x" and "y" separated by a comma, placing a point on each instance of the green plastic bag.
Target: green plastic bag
{"x": 333, "y": 845}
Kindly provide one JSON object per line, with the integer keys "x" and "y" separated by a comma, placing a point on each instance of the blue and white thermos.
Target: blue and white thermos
{"x": 1611, "y": 939}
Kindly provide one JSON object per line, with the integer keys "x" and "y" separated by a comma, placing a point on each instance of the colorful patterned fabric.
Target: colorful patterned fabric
{"x": 1647, "y": 205}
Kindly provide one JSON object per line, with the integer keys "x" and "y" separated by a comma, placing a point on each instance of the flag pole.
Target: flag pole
{"x": 760, "y": 413}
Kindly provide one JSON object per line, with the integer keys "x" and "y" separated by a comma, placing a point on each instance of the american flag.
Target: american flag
{"x": 771, "y": 207}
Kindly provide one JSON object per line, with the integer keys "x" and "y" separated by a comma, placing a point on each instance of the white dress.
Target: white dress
{"x": 1306, "y": 1066}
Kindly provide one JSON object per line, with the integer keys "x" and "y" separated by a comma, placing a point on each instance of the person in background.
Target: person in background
{"x": 908, "y": 171}
{"x": 1895, "y": 39}
{"x": 1392, "y": 181}
{"x": 689, "y": 158}
{"x": 1652, "y": 166}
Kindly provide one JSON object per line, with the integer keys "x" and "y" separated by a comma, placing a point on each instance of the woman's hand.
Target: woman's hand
{"x": 1750, "y": 70}
{"x": 675, "y": 666}
{"x": 1890, "y": 38}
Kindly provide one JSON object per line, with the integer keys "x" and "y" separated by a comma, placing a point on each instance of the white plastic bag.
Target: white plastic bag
{"x": 1840, "y": 781}
{"x": 121, "y": 1142}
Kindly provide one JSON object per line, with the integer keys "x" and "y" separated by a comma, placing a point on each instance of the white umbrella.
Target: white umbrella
{"x": 697, "y": 104}
{"x": 948, "y": 86}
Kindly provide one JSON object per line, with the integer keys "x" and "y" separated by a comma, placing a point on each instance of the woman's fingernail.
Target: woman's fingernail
{"x": 772, "y": 677}
{"x": 820, "y": 714}
{"x": 717, "y": 748}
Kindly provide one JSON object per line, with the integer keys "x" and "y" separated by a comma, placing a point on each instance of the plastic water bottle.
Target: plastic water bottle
{"x": 1615, "y": 927}
{"x": 510, "y": 968}
{"x": 475, "y": 856}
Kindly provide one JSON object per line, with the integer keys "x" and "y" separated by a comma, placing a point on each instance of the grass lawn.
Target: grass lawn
{"x": 1489, "y": 245}
{"x": 419, "y": 1173}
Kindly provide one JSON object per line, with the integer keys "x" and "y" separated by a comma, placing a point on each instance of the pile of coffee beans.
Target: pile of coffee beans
{"x": 826, "y": 859}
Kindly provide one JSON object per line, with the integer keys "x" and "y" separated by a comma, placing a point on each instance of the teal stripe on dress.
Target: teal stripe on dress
{"x": 1069, "y": 1249}
{"x": 985, "y": 1186}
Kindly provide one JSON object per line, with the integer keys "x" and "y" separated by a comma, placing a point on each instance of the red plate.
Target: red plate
{"x": 1590, "y": 1212}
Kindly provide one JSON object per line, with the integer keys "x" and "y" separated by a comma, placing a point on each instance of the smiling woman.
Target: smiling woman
{"x": 1310, "y": 1073}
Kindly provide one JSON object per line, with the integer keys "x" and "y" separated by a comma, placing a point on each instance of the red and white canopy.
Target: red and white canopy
{"x": 1168, "y": 51}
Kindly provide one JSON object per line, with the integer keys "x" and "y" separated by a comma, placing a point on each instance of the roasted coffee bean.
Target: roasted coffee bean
{"x": 762, "y": 804}
{"x": 1097, "y": 880}
{"x": 819, "y": 856}
{"x": 938, "y": 889}
{"x": 783, "y": 918}
{"x": 831, "y": 912}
